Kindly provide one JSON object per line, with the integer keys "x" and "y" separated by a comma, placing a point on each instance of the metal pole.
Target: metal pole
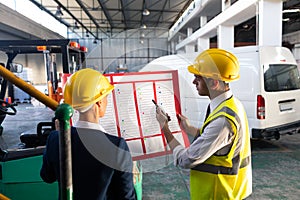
{"x": 63, "y": 113}
{"x": 30, "y": 89}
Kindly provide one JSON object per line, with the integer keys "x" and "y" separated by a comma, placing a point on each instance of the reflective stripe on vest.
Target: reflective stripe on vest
{"x": 226, "y": 176}
{"x": 234, "y": 118}
{"x": 224, "y": 170}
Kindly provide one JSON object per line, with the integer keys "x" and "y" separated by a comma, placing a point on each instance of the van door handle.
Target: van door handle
{"x": 287, "y": 101}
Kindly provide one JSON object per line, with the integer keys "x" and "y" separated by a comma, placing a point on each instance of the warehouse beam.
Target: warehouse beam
{"x": 239, "y": 12}
{"x": 270, "y": 23}
{"x": 11, "y": 18}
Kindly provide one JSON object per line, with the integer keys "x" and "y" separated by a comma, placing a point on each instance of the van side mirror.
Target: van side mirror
{"x": 16, "y": 67}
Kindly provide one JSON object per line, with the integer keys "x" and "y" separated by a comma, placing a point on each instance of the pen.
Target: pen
{"x": 169, "y": 118}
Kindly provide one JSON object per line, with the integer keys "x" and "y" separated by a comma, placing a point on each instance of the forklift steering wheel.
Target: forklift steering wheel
{"x": 7, "y": 108}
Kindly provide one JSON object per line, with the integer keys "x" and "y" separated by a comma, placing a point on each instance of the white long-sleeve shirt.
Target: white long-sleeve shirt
{"x": 89, "y": 125}
{"x": 216, "y": 135}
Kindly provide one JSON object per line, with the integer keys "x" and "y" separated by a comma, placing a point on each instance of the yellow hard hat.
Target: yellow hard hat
{"x": 216, "y": 64}
{"x": 86, "y": 87}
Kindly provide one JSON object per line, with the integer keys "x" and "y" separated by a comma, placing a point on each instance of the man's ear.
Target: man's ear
{"x": 210, "y": 82}
{"x": 214, "y": 83}
{"x": 98, "y": 103}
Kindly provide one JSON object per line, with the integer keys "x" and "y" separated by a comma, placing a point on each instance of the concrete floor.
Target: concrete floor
{"x": 276, "y": 173}
{"x": 276, "y": 163}
{"x": 26, "y": 120}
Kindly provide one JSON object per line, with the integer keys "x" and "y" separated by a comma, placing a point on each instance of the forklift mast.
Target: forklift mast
{"x": 73, "y": 57}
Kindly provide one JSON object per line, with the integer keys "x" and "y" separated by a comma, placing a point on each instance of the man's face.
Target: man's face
{"x": 201, "y": 86}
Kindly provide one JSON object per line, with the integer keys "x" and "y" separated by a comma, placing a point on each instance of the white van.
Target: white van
{"x": 269, "y": 89}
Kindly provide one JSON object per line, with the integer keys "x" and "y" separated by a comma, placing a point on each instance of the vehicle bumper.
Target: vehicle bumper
{"x": 276, "y": 131}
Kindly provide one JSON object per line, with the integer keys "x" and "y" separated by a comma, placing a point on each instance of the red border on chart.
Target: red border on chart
{"x": 175, "y": 83}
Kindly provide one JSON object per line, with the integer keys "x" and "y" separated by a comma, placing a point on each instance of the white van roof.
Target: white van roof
{"x": 268, "y": 54}
{"x": 165, "y": 63}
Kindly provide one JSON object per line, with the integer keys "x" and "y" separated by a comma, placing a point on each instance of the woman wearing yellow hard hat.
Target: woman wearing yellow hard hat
{"x": 101, "y": 163}
{"x": 220, "y": 155}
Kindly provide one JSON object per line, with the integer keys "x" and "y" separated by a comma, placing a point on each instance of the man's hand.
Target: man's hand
{"x": 186, "y": 126}
{"x": 161, "y": 117}
{"x": 184, "y": 122}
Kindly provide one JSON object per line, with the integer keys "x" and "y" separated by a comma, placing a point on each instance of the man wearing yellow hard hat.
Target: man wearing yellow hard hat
{"x": 101, "y": 163}
{"x": 220, "y": 155}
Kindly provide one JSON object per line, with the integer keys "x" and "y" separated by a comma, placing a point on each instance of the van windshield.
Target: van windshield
{"x": 281, "y": 77}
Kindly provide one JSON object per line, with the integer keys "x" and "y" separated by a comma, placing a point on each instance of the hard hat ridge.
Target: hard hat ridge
{"x": 216, "y": 64}
{"x": 86, "y": 87}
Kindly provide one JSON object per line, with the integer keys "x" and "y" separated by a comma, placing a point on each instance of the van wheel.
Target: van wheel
{"x": 277, "y": 135}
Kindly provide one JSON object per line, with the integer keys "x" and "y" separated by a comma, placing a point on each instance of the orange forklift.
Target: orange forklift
{"x": 72, "y": 59}
{"x": 19, "y": 168}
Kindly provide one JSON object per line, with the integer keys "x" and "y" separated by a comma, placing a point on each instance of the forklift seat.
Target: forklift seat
{"x": 32, "y": 140}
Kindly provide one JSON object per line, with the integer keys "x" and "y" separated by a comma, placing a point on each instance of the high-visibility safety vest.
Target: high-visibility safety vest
{"x": 227, "y": 176}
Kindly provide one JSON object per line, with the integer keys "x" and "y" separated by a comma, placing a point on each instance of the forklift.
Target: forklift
{"x": 73, "y": 57}
{"x": 19, "y": 168}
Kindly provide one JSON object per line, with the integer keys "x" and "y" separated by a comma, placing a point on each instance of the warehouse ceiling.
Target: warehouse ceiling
{"x": 291, "y": 16}
{"x": 100, "y": 18}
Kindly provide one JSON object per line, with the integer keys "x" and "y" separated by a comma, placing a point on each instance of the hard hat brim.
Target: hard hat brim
{"x": 193, "y": 70}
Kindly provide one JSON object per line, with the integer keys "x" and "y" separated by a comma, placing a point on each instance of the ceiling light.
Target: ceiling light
{"x": 286, "y": 19}
{"x": 146, "y": 12}
{"x": 76, "y": 25}
{"x": 245, "y": 26}
{"x": 143, "y": 26}
{"x": 58, "y": 12}
{"x": 95, "y": 41}
{"x": 291, "y": 10}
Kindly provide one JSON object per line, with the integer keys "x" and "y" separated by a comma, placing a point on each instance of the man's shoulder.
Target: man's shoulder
{"x": 112, "y": 138}
{"x": 53, "y": 135}
{"x": 118, "y": 141}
